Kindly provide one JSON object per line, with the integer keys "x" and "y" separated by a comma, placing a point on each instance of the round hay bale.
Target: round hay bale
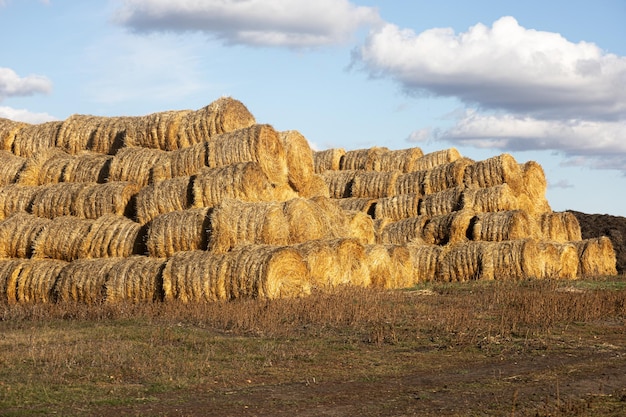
{"x": 426, "y": 260}
{"x": 339, "y": 183}
{"x": 366, "y": 205}
{"x": 110, "y": 134}
{"x": 398, "y": 207}
{"x": 322, "y": 259}
{"x": 402, "y": 160}
{"x": 503, "y": 225}
{"x": 84, "y": 281}
{"x": 111, "y": 236}
{"x": 361, "y": 227}
{"x": 182, "y": 230}
{"x": 517, "y": 259}
{"x": 559, "y": 226}
{"x": 328, "y": 160}
{"x": 9, "y": 272}
{"x": 308, "y": 220}
{"x": 433, "y": 159}
{"x": 403, "y": 266}
{"x": 381, "y": 269}
{"x": 490, "y": 199}
{"x": 315, "y": 187}
{"x": 196, "y": 276}
{"x": 404, "y": 231}
{"x": 558, "y": 260}
{"x": 299, "y": 156}
{"x": 534, "y": 186}
{"x": 10, "y": 167}
{"x": 87, "y": 167}
{"x": 466, "y": 261}
{"x": 55, "y": 200}
{"x": 353, "y": 261}
{"x": 448, "y": 228}
{"x": 135, "y": 279}
{"x": 164, "y": 197}
{"x": 258, "y": 143}
{"x": 243, "y": 181}
{"x": 77, "y": 131}
{"x": 447, "y": 176}
{"x": 596, "y": 257}
{"x": 180, "y": 163}
{"x": 443, "y": 202}
{"x": 133, "y": 165}
{"x": 16, "y": 198}
{"x": 17, "y": 234}
{"x": 501, "y": 169}
{"x": 158, "y": 130}
{"x": 8, "y": 130}
{"x": 96, "y": 200}
{"x": 32, "y": 139}
{"x": 62, "y": 238}
{"x": 363, "y": 159}
{"x": 411, "y": 183}
{"x": 45, "y": 167}
{"x": 379, "y": 227}
{"x": 374, "y": 184}
{"x": 36, "y": 280}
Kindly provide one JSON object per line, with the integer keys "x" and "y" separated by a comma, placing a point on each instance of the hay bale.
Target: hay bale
{"x": 403, "y": 266}
{"x": 501, "y": 169}
{"x": 8, "y": 130}
{"x": 258, "y": 143}
{"x": 447, "y": 176}
{"x": 243, "y": 181}
{"x": 361, "y": 227}
{"x": 517, "y": 259}
{"x": 411, "y": 183}
{"x": 339, "y": 183}
{"x": 55, "y": 200}
{"x": 503, "y": 225}
{"x": 398, "y": 207}
{"x": 379, "y": 227}
{"x": 559, "y": 226}
{"x": 78, "y": 132}
{"x": 16, "y": 198}
{"x": 9, "y": 272}
{"x": 365, "y": 204}
{"x": 62, "y": 238}
{"x": 17, "y": 234}
{"x": 309, "y": 220}
{"x": 490, "y": 199}
{"x": 180, "y": 163}
{"x": 164, "y": 197}
{"x": 182, "y": 230}
{"x": 299, "y": 156}
{"x": 322, "y": 259}
{"x": 45, "y": 167}
{"x": 426, "y": 260}
{"x": 404, "y": 231}
{"x": 403, "y": 160}
{"x": 596, "y": 257}
{"x": 133, "y": 165}
{"x": 328, "y": 160}
{"x": 448, "y": 228}
{"x": 10, "y": 167}
{"x": 158, "y": 130}
{"x": 111, "y": 236}
{"x": 195, "y": 276}
{"x": 433, "y": 159}
{"x": 84, "y": 281}
{"x": 96, "y": 200}
{"x": 87, "y": 167}
{"x": 374, "y": 184}
{"x": 534, "y": 187}
{"x": 32, "y": 139}
{"x": 315, "y": 187}
{"x": 466, "y": 261}
{"x": 36, "y": 280}
{"x": 443, "y": 202}
{"x": 558, "y": 260}
{"x": 363, "y": 159}
{"x": 381, "y": 269}
{"x": 135, "y": 279}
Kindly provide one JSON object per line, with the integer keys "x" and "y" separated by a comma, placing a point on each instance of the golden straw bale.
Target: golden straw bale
{"x": 109, "y": 136}
{"x": 180, "y": 163}
{"x": 339, "y": 183}
{"x": 501, "y": 169}
{"x": 328, "y": 160}
{"x": 36, "y": 280}
{"x": 403, "y": 266}
{"x": 596, "y": 257}
{"x": 558, "y": 260}
{"x": 398, "y": 207}
{"x": 433, "y": 159}
{"x": 381, "y": 269}
{"x": 443, "y": 202}
{"x": 10, "y": 167}
{"x": 366, "y": 205}
{"x": 62, "y": 238}
{"x": 411, "y": 183}
{"x": 243, "y": 181}
{"x": 164, "y": 197}
{"x": 363, "y": 159}
{"x": 534, "y": 185}
{"x": 77, "y": 131}
{"x": 426, "y": 260}
{"x": 503, "y": 225}
{"x": 517, "y": 259}
{"x": 32, "y": 139}
{"x": 157, "y": 130}
{"x": 9, "y": 272}
{"x": 135, "y": 279}
{"x": 299, "y": 156}
{"x": 178, "y": 231}
{"x": 490, "y": 199}
{"x": 111, "y": 236}
{"x": 315, "y": 187}
{"x": 448, "y": 228}
{"x": 87, "y": 167}
{"x": 17, "y": 234}
{"x": 16, "y": 198}
{"x": 258, "y": 143}
{"x": 54, "y": 200}
{"x": 133, "y": 164}
{"x": 45, "y": 167}
{"x": 374, "y": 184}
{"x": 195, "y": 276}
{"x": 404, "y": 231}
{"x": 447, "y": 176}
{"x": 403, "y": 160}
{"x": 84, "y": 281}
{"x": 361, "y": 227}
{"x": 308, "y": 220}
{"x": 324, "y": 265}
{"x": 379, "y": 227}
{"x": 466, "y": 261}
{"x": 353, "y": 261}
{"x": 96, "y": 200}
{"x": 8, "y": 130}
{"x": 559, "y": 226}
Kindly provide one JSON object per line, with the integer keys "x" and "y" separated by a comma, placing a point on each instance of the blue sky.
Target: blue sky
{"x": 542, "y": 80}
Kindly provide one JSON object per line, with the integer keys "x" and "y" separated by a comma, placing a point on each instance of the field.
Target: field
{"x": 525, "y": 348}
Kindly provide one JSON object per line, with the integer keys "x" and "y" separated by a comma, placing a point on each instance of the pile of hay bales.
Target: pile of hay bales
{"x": 209, "y": 205}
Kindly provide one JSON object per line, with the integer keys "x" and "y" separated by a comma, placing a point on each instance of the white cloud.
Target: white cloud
{"x": 24, "y": 115}
{"x": 290, "y": 23}
{"x": 12, "y": 85}
{"x": 505, "y": 66}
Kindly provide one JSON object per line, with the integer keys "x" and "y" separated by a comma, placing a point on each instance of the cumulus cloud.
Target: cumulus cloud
{"x": 23, "y": 115}
{"x": 12, "y": 85}
{"x": 290, "y": 23}
{"x": 505, "y": 66}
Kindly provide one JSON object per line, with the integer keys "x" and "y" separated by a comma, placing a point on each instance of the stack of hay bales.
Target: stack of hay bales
{"x": 208, "y": 205}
